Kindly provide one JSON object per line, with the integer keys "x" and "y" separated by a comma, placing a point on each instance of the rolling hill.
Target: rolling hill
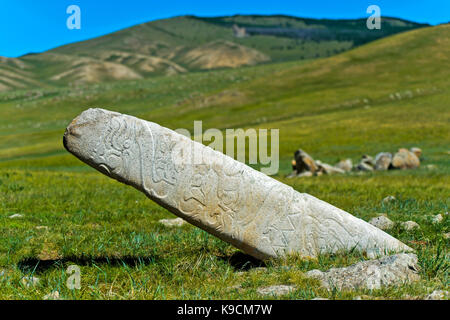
{"x": 375, "y": 95}
{"x": 188, "y": 43}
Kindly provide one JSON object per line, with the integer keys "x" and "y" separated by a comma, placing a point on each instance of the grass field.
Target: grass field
{"x": 391, "y": 93}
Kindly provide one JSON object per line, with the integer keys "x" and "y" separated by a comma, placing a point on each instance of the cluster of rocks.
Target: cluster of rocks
{"x": 304, "y": 165}
{"x": 384, "y": 223}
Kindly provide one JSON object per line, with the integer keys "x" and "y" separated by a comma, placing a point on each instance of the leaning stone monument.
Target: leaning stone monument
{"x": 258, "y": 214}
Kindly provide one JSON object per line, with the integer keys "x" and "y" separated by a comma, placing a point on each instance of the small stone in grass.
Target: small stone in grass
{"x": 277, "y": 290}
{"x": 382, "y": 222}
{"x": 389, "y": 199}
{"x": 52, "y": 296}
{"x": 30, "y": 281}
{"x": 437, "y": 295}
{"x": 410, "y": 225}
{"x": 178, "y": 222}
{"x": 437, "y": 219}
{"x": 371, "y": 274}
{"x": 16, "y": 216}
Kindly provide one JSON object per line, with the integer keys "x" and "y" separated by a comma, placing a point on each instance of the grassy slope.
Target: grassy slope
{"x": 162, "y": 47}
{"x": 390, "y": 93}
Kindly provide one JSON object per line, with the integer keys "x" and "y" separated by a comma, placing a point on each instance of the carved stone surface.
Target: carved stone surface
{"x": 257, "y": 214}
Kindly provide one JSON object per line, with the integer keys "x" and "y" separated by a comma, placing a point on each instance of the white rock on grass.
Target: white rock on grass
{"x": 372, "y": 274}
{"x": 382, "y": 222}
{"x": 277, "y": 290}
{"x": 389, "y": 199}
{"x": 410, "y": 225}
{"x": 16, "y": 216}
{"x": 52, "y": 296}
{"x": 437, "y": 219}
{"x": 438, "y": 295}
{"x": 30, "y": 281}
{"x": 178, "y": 222}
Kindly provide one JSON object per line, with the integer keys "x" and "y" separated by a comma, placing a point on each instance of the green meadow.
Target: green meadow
{"x": 390, "y": 93}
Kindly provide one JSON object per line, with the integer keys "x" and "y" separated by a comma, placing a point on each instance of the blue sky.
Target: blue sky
{"x": 35, "y": 26}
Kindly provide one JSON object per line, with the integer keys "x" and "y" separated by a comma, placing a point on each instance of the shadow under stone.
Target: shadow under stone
{"x": 243, "y": 262}
{"x": 35, "y": 265}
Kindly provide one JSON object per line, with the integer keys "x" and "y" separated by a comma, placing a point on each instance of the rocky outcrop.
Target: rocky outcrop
{"x": 372, "y": 274}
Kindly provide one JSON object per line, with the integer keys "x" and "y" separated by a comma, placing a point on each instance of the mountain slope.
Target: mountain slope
{"x": 182, "y": 44}
{"x": 391, "y": 93}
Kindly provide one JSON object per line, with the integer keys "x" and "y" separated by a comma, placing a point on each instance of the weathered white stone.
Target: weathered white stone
{"x": 371, "y": 274}
{"x": 277, "y": 290}
{"x": 389, "y": 199}
{"x": 382, "y": 222}
{"x": 438, "y": 295}
{"x": 410, "y": 225}
{"x": 16, "y": 216}
{"x": 252, "y": 211}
